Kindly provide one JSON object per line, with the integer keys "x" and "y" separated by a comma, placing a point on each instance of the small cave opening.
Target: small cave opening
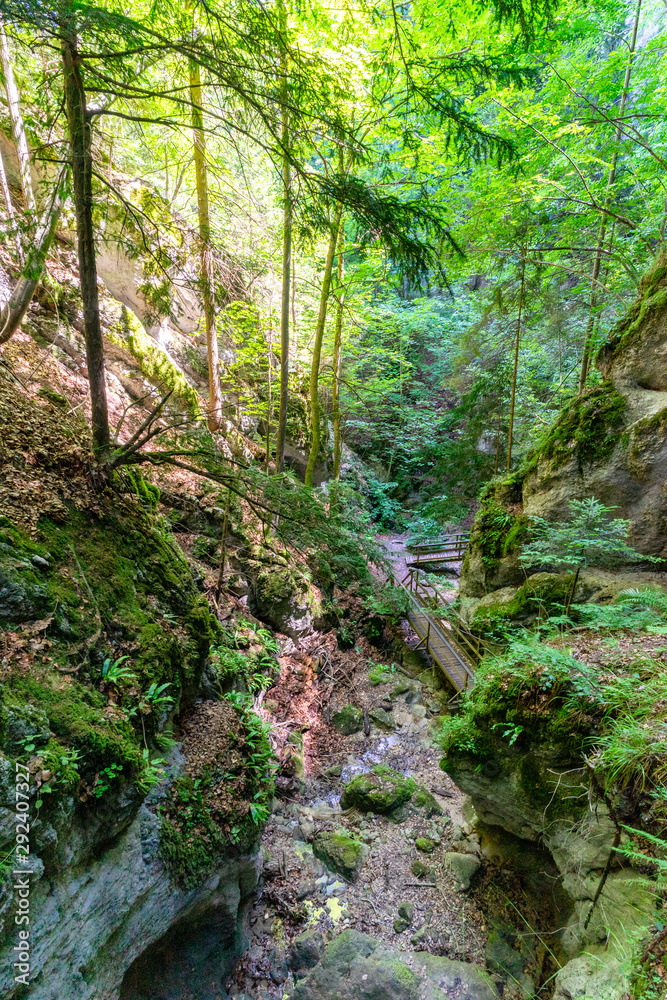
{"x": 192, "y": 961}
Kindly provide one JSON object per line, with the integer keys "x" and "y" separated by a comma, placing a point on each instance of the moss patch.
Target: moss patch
{"x": 652, "y": 297}
{"x": 588, "y": 429}
{"x": 155, "y": 363}
{"x": 381, "y": 791}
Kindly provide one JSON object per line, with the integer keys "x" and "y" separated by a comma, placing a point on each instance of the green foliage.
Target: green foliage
{"x": 198, "y": 832}
{"x": 634, "y": 610}
{"x": 589, "y": 538}
{"x": 239, "y": 667}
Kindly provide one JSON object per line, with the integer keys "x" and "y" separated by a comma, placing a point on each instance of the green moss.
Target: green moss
{"x": 340, "y": 853}
{"x": 425, "y": 845}
{"x": 587, "y": 429}
{"x": 381, "y": 791}
{"x": 153, "y": 361}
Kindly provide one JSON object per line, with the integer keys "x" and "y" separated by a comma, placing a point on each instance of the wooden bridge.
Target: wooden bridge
{"x": 443, "y": 635}
{"x": 448, "y": 548}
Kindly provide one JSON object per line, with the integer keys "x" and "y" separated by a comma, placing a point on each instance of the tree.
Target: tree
{"x": 79, "y": 127}
{"x": 206, "y": 270}
{"x": 589, "y": 538}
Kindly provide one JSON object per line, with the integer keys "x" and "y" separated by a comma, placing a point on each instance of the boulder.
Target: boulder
{"x": 381, "y": 791}
{"x": 305, "y": 952}
{"x": 381, "y": 718}
{"x": 358, "y": 967}
{"x": 340, "y": 853}
{"x": 463, "y": 867}
{"x": 425, "y": 845}
{"x": 283, "y": 597}
{"x": 591, "y": 976}
{"x": 348, "y": 720}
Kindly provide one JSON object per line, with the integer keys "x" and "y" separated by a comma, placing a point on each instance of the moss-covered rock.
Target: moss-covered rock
{"x": 425, "y": 845}
{"x": 356, "y": 966}
{"x": 283, "y": 596}
{"x": 340, "y": 853}
{"x": 348, "y": 720}
{"x": 380, "y": 791}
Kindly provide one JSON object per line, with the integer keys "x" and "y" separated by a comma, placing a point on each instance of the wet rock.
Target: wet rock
{"x": 348, "y": 720}
{"x": 306, "y": 888}
{"x": 425, "y": 844}
{"x": 305, "y": 952}
{"x": 358, "y": 967}
{"x": 407, "y": 911}
{"x": 502, "y": 958}
{"x": 40, "y": 563}
{"x": 381, "y": 718}
{"x": 340, "y": 853}
{"x": 382, "y": 793}
{"x": 424, "y": 800}
{"x": 463, "y": 867}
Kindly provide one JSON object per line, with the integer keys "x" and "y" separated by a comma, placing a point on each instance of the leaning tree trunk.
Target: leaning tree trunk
{"x": 317, "y": 351}
{"x": 206, "y": 273}
{"x": 14, "y": 310}
{"x": 79, "y": 128}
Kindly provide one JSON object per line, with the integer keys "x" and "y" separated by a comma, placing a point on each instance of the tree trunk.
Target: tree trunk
{"x": 611, "y": 177}
{"x": 18, "y": 127}
{"x": 13, "y": 311}
{"x": 317, "y": 351}
{"x": 206, "y": 268}
{"x": 516, "y": 361}
{"x": 285, "y": 305}
{"x": 338, "y": 337}
{"x": 10, "y": 210}
{"x": 82, "y": 186}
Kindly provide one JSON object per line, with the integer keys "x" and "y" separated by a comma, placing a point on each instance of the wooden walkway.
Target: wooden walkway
{"x": 444, "y": 637}
{"x": 442, "y": 647}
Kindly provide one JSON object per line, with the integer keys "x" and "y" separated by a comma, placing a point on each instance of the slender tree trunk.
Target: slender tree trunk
{"x": 611, "y": 177}
{"x": 206, "y": 264}
{"x": 17, "y": 121}
{"x": 516, "y": 361}
{"x": 223, "y": 548}
{"x": 79, "y": 128}
{"x": 13, "y": 311}
{"x": 317, "y": 350}
{"x": 285, "y": 304}
{"x": 269, "y": 401}
{"x": 338, "y": 337}
{"x": 11, "y": 219}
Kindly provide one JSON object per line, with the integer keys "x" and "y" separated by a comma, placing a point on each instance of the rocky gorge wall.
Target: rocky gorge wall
{"x": 611, "y": 444}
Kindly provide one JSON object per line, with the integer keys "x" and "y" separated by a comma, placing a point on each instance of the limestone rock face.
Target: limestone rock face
{"x": 358, "y": 967}
{"x": 100, "y": 925}
{"x": 610, "y": 444}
